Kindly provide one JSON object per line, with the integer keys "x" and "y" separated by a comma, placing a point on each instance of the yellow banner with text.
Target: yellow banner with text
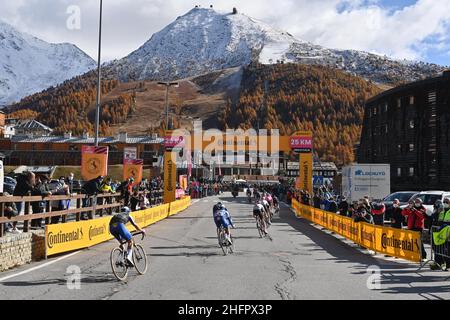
{"x": 398, "y": 243}
{"x": 72, "y": 236}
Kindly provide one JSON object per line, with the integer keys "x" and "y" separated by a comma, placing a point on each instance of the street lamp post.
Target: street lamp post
{"x": 97, "y": 112}
{"x": 168, "y": 85}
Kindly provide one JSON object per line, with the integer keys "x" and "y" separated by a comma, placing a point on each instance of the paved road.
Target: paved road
{"x": 301, "y": 262}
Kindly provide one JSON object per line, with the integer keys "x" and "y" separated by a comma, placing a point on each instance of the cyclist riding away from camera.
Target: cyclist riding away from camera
{"x": 266, "y": 206}
{"x": 223, "y": 218}
{"x": 117, "y": 227}
{"x": 276, "y": 203}
{"x": 259, "y": 211}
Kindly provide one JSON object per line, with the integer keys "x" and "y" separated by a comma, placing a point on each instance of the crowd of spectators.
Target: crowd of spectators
{"x": 135, "y": 195}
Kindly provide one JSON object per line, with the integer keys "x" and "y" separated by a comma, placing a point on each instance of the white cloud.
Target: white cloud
{"x": 350, "y": 24}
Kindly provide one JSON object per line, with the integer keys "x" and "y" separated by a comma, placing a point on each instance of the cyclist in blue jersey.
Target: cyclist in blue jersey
{"x": 223, "y": 218}
{"x": 117, "y": 227}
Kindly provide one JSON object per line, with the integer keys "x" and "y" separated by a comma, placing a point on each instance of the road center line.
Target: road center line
{"x": 38, "y": 267}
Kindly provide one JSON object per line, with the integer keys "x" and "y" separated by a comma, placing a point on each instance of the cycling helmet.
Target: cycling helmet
{"x": 125, "y": 210}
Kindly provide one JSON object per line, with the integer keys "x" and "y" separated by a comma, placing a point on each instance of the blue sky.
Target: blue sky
{"x": 403, "y": 29}
{"x": 438, "y": 56}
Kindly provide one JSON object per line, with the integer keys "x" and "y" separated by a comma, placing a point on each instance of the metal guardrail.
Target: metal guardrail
{"x": 440, "y": 253}
{"x": 110, "y": 201}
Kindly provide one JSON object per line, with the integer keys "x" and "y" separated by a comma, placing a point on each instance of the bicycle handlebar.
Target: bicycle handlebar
{"x": 138, "y": 233}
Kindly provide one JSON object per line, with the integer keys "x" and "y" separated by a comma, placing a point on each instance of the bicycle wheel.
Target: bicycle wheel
{"x": 231, "y": 247}
{"x": 259, "y": 227}
{"x": 118, "y": 266}
{"x": 221, "y": 237}
{"x": 140, "y": 259}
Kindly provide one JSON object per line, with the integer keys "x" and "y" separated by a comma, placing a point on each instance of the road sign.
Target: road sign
{"x": 318, "y": 180}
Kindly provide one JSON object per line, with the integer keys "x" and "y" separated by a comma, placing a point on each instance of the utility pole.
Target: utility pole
{"x": 99, "y": 76}
{"x": 168, "y": 85}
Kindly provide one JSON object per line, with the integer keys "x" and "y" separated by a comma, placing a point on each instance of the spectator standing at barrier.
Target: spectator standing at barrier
{"x": 134, "y": 201}
{"x": 41, "y": 189}
{"x": 441, "y": 219}
{"x": 126, "y": 190}
{"x": 343, "y": 207}
{"x": 397, "y": 218}
{"x": 90, "y": 189}
{"x": 352, "y": 209}
{"x": 10, "y": 212}
{"x": 24, "y": 187}
{"x": 316, "y": 200}
{"x": 333, "y": 206}
{"x": 361, "y": 214}
{"x": 378, "y": 210}
{"x": 416, "y": 213}
{"x": 70, "y": 182}
{"x": 60, "y": 205}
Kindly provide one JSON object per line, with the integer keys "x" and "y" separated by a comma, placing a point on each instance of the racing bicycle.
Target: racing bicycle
{"x": 226, "y": 246}
{"x": 119, "y": 263}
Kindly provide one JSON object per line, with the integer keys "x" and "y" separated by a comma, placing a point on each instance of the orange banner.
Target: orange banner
{"x": 94, "y": 162}
{"x": 133, "y": 169}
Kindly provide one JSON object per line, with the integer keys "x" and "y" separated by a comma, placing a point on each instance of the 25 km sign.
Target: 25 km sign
{"x": 301, "y": 144}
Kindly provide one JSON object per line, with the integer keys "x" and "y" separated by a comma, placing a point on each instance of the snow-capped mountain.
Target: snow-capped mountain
{"x": 205, "y": 40}
{"x": 29, "y": 65}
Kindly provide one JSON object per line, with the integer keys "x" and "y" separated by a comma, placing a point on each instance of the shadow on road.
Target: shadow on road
{"x": 85, "y": 279}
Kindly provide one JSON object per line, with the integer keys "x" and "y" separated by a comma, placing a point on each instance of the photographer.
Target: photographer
{"x": 396, "y": 214}
{"x": 416, "y": 213}
{"x": 361, "y": 214}
{"x": 378, "y": 210}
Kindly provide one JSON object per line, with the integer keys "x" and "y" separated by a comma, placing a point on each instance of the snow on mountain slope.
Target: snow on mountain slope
{"x": 205, "y": 40}
{"x": 29, "y": 65}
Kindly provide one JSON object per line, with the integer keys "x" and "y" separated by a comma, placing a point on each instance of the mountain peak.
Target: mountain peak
{"x": 205, "y": 40}
{"x": 29, "y": 65}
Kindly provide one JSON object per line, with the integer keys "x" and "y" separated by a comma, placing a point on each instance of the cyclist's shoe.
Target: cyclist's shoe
{"x": 269, "y": 222}
{"x": 129, "y": 263}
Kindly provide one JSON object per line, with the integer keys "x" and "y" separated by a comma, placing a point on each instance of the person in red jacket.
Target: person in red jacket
{"x": 416, "y": 213}
{"x": 378, "y": 210}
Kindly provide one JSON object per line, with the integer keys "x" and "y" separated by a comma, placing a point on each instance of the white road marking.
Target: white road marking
{"x": 38, "y": 267}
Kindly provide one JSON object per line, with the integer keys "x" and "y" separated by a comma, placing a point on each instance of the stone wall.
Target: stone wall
{"x": 19, "y": 249}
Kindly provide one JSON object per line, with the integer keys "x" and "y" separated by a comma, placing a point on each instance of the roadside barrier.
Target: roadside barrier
{"x": 398, "y": 243}
{"x": 66, "y": 237}
{"x": 440, "y": 247}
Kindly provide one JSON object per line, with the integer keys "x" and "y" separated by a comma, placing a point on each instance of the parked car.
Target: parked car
{"x": 77, "y": 184}
{"x": 429, "y": 198}
{"x": 402, "y": 196}
{"x": 9, "y": 184}
{"x": 55, "y": 185}
{"x": 9, "y": 180}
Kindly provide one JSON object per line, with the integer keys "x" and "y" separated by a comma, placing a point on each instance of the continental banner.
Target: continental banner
{"x": 398, "y": 243}
{"x": 72, "y": 236}
{"x": 170, "y": 177}
{"x": 180, "y": 205}
{"x": 306, "y": 172}
{"x": 94, "y": 162}
{"x": 66, "y": 237}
